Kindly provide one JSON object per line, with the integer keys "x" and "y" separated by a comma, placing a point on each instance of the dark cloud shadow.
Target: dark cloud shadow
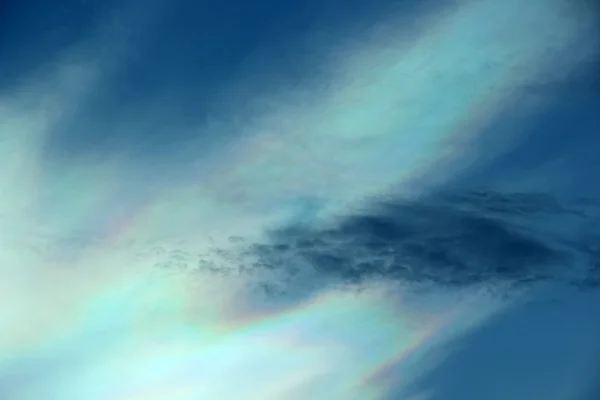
{"x": 491, "y": 243}
{"x": 456, "y": 241}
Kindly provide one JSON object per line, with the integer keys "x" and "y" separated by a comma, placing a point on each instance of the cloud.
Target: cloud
{"x": 114, "y": 278}
{"x": 454, "y": 240}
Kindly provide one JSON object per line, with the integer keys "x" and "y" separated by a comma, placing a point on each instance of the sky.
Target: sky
{"x": 370, "y": 200}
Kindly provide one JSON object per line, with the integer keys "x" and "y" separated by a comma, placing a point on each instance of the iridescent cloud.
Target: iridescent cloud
{"x": 91, "y": 316}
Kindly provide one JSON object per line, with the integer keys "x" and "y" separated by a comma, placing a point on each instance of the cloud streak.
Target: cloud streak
{"x": 137, "y": 276}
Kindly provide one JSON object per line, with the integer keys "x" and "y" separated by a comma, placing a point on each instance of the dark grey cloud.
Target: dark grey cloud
{"x": 447, "y": 241}
{"x": 452, "y": 240}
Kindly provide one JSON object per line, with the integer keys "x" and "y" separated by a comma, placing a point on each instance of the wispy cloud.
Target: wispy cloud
{"x": 131, "y": 277}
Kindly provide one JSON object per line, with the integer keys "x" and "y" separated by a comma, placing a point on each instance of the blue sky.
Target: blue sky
{"x": 440, "y": 156}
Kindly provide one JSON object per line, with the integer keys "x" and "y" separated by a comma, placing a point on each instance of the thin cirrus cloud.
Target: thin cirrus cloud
{"x": 93, "y": 316}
